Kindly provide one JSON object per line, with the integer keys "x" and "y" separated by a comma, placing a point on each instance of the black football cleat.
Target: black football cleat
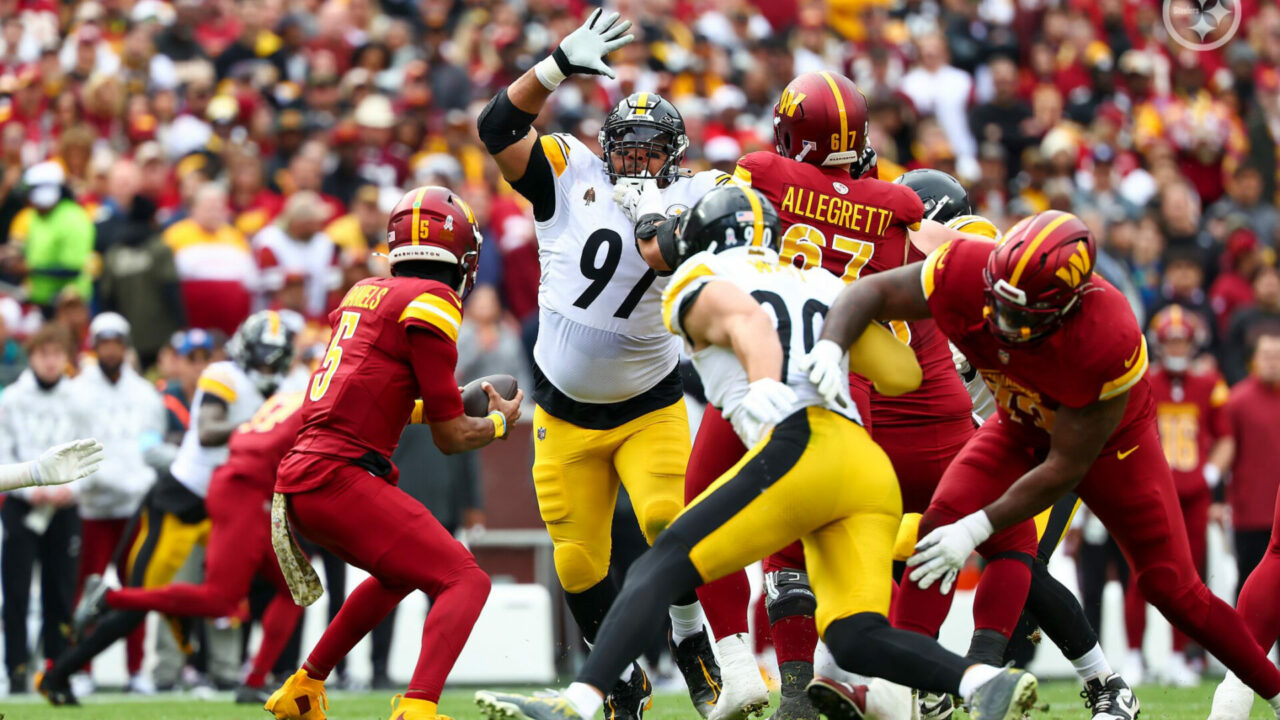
{"x": 56, "y": 691}
{"x": 700, "y": 670}
{"x": 246, "y": 695}
{"x": 629, "y": 698}
{"x": 1110, "y": 698}
{"x": 91, "y": 608}
{"x": 795, "y": 703}
{"x": 935, "y": 706}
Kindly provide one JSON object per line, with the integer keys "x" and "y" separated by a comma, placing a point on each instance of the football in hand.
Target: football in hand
{"x": 475, "y": 401}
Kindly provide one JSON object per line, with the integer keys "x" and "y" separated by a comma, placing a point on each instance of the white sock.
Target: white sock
{"x": 975, "y": 677}
{"x": 686, "y": 621}
{"x": 584, "y": 698}
{"x": 1092, "y": 664}
{"x": 626, "y": 674}
{"x": 734, "y": 650}
{"x": 1275, "y": 702}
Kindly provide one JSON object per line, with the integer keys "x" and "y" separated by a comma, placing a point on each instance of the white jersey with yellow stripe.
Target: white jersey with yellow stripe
{"x": 195, "y": 463}
{"x": 601, "y": 338}
{"x": 797, "y": 301}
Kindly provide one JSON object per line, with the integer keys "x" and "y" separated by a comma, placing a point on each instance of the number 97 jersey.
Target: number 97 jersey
{"x": 601, "y": 337}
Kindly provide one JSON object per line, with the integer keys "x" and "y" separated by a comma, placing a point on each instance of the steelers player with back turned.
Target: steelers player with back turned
{"x": 609, "y": 398}
{"x": 748, "y": 319}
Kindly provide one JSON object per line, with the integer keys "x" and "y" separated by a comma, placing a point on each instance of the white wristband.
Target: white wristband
{"x": 548, "y": 73}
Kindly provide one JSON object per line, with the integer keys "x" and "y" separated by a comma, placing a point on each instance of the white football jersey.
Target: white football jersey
{"x": 796, "y": 300}
{"x": 600, "y": 335}
{"x": 195, "y": 463}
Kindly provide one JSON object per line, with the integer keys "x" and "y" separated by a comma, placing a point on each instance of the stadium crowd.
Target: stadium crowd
{"x": 166, "y": 168}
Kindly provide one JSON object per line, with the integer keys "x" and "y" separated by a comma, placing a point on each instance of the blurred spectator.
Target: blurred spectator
{"x": 13, "y": 358}
{"x": 1252, "y": 322}
{"x": 942, "y": 90}
{"x": 1251, "y": 415}
{"x": 127, "y": 417}
{"x": 298, "y": 261}
{"x": 1245, "y": 206}
{"x": 139, "y": 279}
{"x": 1184, "y": 285}
{"x": 41, "y": 409}
{"x": 1232, "y": 289}
{"x": 1002, "y": 119}
{"x": 57, "y": 236}
{"x": 216, "y": 271}
{"x": 362, "y": 234}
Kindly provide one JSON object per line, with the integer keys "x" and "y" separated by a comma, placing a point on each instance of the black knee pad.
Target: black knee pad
{"x": 787, "y": 594}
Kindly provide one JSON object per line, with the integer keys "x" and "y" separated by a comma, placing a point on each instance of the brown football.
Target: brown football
{"x": 475, "y": 402}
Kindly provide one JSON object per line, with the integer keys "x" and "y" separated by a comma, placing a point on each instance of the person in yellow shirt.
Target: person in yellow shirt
{"x": 216, "y": 271}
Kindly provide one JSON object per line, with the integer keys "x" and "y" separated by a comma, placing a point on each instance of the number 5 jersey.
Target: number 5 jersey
{"x": 600, "y": 335}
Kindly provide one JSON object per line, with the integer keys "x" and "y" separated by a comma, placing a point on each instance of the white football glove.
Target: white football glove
{"x": 1212, "y": 475}
{"x": 942, "y": 553}
{"x": 637, "y": 197}
{"x": 582, "y": 52}
{"x": 827, "y": 369}
{"x": 67, "y": 462}
{"x": 766, "y": 404}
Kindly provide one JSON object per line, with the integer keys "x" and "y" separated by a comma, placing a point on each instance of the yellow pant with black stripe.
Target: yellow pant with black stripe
{"x": 576, "y": 472}
{"x": 161, "y": 548}
{"x": 818, "y": 477}
{"x": 1051, "y": 529}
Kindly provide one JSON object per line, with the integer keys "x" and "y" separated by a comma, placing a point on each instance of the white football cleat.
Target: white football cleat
{"x": 742, "y": 691}
{"x": 1233, "y": 700}
{"x": 1110, "y": 698}
{"x": 888, "y": 701}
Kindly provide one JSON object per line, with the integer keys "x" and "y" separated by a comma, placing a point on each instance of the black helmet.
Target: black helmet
{"x": 644, "y": 121}
{"x": 263, "y": 347}
{"x": 943, "y": 196}
{"x": 727, "y": 217}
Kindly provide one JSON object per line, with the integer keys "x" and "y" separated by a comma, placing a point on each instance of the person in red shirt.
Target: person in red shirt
{"x": 394, "y": 339}
{"x": 1065, "y": 359}
{"x": 1189, "y": 398}
{"x": 239, "y": 503}
{"x": 1251, "y": 414}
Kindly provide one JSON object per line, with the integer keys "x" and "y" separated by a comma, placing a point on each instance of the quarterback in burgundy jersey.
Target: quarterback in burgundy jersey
{"x": 1189, "y": 400}
{"x": 393, "y": 342}
{"x": 239, "y": 504}
{"x": 1066, "y": 361}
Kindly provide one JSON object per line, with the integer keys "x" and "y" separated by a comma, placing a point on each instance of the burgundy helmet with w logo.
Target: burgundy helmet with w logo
{"x": 821, "y": 119}
{"x": 432, "y": 223}
{"x": 1036, "y": 274}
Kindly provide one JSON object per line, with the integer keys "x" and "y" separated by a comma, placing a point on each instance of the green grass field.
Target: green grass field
{"x": 1158, "y": 703}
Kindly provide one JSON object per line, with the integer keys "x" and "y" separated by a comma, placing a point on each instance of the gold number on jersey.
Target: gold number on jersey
{"x": 346, "y": 328}
{"x": 1178, "y": 435}
{"x": 807, "y": 242}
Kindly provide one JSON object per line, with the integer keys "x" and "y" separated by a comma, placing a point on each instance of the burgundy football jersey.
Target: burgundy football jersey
{"x": 854, "y": 228}
{"x": 257, "y": 446}
{"x": 1189, "y": 414}
{"x": 362, "y": 395}
{"x": 1098, "y": 353}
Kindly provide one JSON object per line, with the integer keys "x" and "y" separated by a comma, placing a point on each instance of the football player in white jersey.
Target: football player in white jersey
{"x": 812, "y": 473}
{"x": 172, "y": 518}
{"x": 609, "y": 398}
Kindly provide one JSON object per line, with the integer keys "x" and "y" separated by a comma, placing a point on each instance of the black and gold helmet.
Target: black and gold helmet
{"x": 644, "y": 121}
{"x": 943, "y": 196}
{"x": 729, "y": 216}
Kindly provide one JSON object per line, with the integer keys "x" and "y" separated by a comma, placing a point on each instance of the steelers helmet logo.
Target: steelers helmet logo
{"x": 1202, "y": 25}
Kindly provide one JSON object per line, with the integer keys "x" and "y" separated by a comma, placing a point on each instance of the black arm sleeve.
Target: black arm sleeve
{"x": 538, "y": 184}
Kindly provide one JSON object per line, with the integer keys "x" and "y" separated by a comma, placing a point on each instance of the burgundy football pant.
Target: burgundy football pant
{"x": 381, "y": 529}
{"x": 1130, "y": 489}
{"x": 239, "y": 548}
{"x": 1195, "y": 510}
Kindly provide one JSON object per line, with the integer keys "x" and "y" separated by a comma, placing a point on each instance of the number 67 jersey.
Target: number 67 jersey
{"x": 600, "y": 335}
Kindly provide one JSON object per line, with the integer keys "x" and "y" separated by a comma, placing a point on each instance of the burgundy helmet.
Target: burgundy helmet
{"x": 432, "y": 223}
{"x": 821, "y": 119}
{"x": 1036, "y": 274}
